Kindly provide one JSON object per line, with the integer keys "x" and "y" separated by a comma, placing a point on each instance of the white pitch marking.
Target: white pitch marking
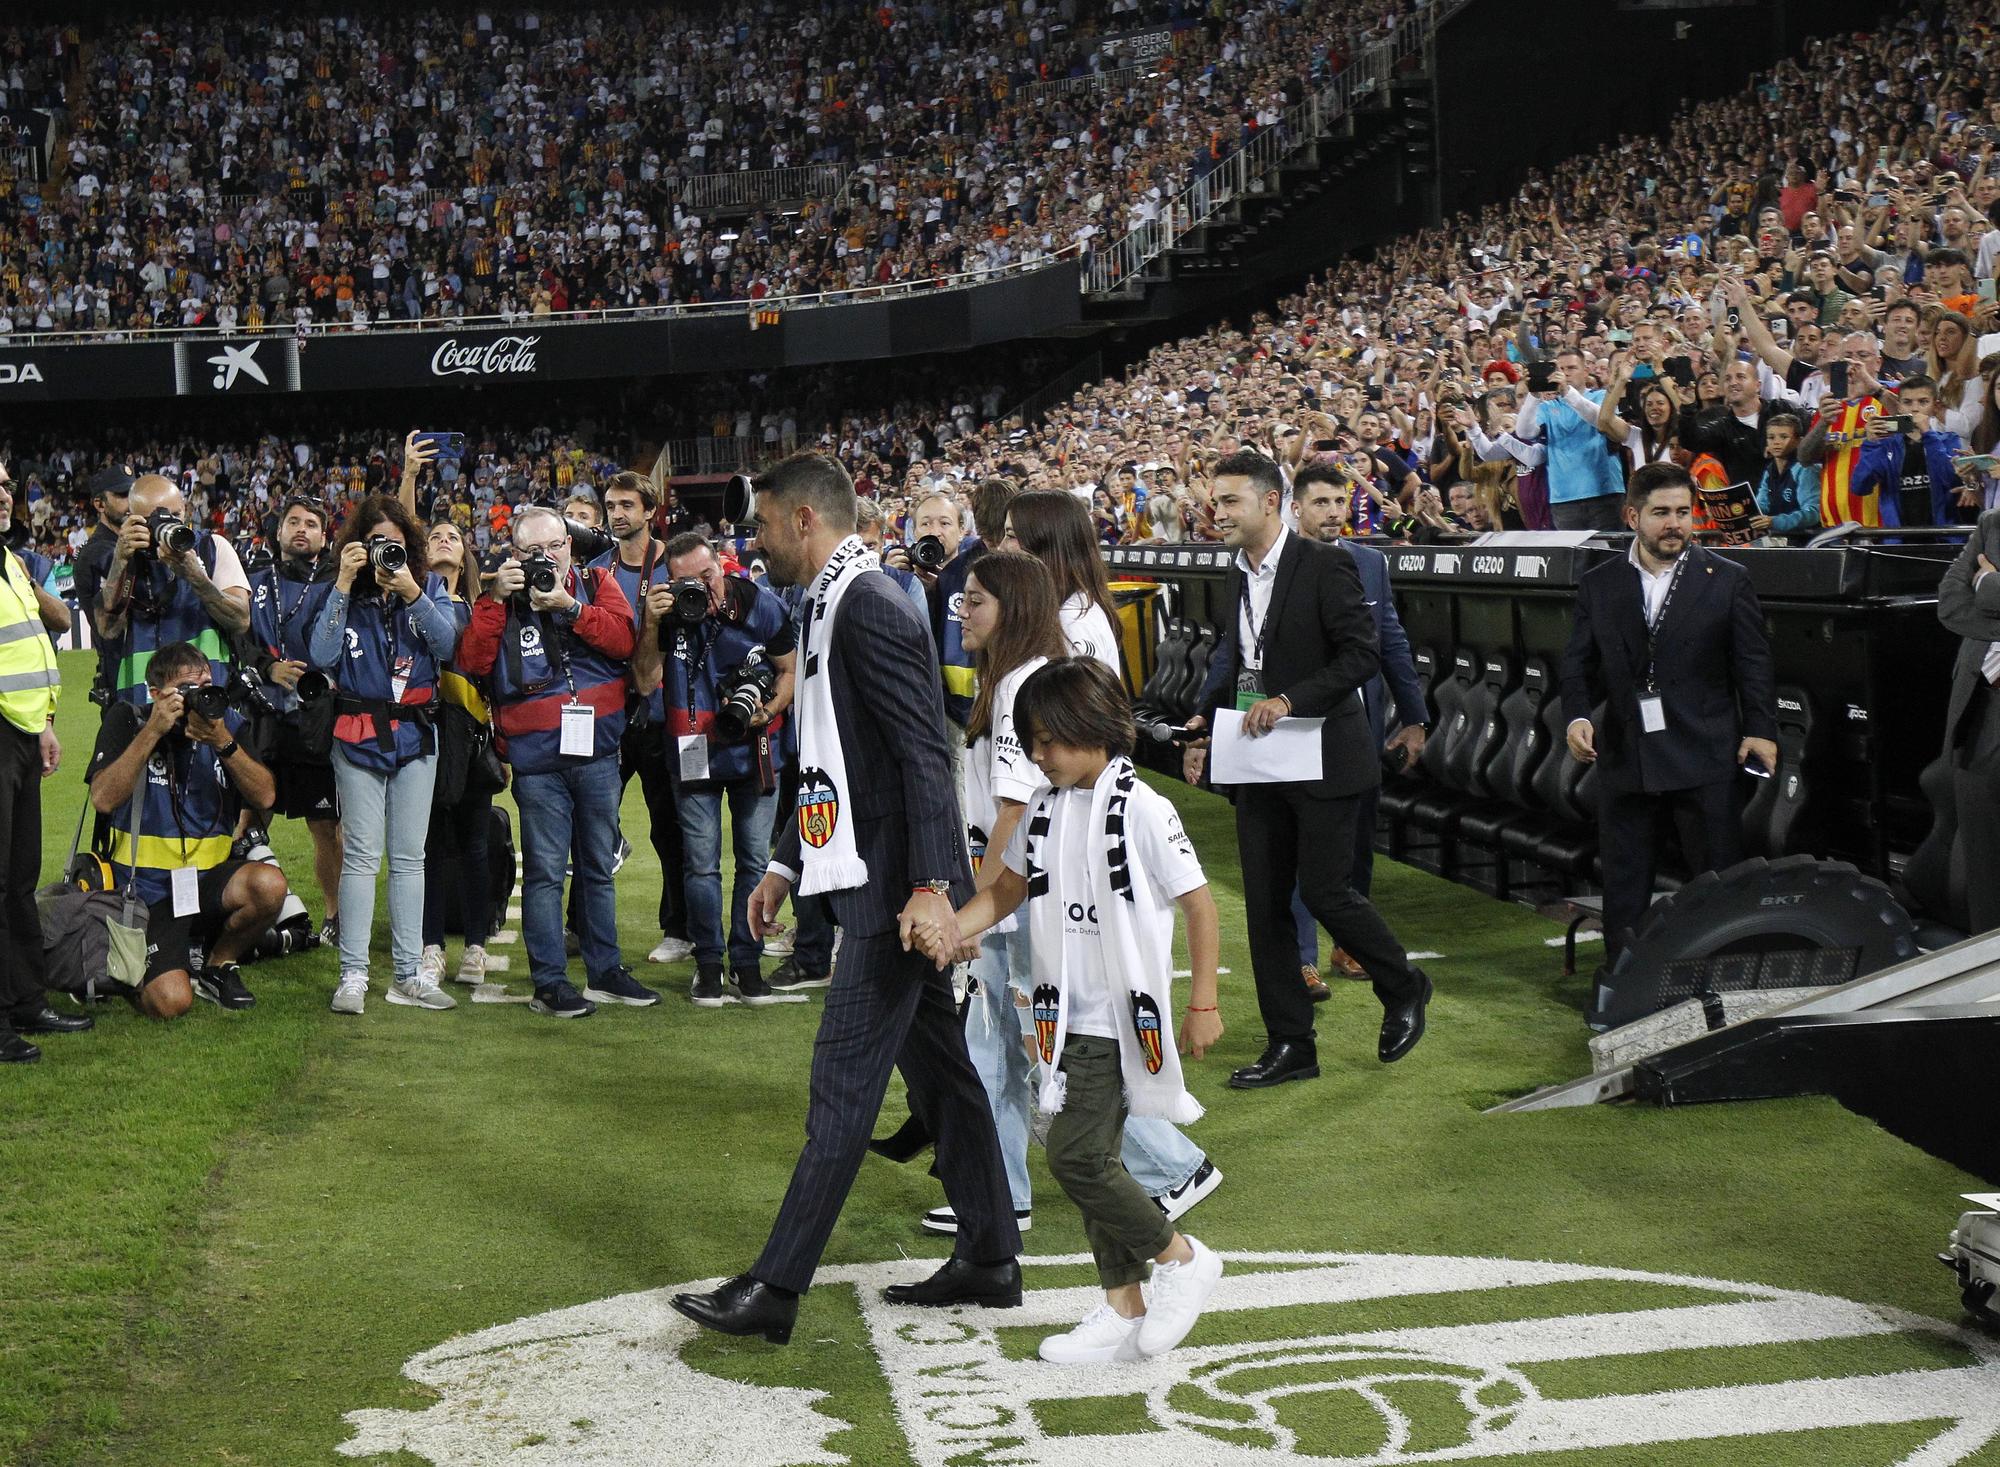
{"x": 1580, "y": 937}
{"x": 505, "y": 937}
{"x": 498, "y": 962}
{"x": 1422, "y": 957}
{"x": 1189, "y": 972}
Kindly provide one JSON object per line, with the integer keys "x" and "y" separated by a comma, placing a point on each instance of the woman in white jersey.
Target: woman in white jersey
{"x": 1055, "y": 528}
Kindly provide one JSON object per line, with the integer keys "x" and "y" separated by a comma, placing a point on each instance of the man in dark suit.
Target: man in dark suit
{"x": 1670, "y": 639}
{"x": 1969, "y": 607}
{"x": 887, "y": 1005}
{"x": 1323, "y": 498}
{"x": 1300, "y": 643}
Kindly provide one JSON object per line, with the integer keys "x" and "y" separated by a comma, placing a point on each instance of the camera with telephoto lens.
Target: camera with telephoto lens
{"x": 386, "y": 556}
{"x": 244, "y": 692}
{"x": 689, "y": 601}
{"x": 749, "y": 688}
{"x": 312, "y": 686}
{"x": 928, "y": 554}
{"x": 172, "y": 535}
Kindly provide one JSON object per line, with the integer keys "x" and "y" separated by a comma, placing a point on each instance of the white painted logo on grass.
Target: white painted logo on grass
{"x": 1335, "y": 1359}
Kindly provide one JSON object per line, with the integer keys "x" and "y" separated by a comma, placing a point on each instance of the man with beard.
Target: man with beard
{"x": 1323, "y": 496}
{"x": 304, "y": 781}
{"x": 1670, "y": 640}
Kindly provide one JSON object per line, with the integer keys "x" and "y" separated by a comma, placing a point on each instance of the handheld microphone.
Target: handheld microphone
{"x": 1169, "y": 733}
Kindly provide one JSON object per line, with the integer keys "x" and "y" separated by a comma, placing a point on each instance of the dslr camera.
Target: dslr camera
{"x": 385, "y": 555}
{"x": 748, "y": 689}
{"x": 689, "y": 601}
{"x": 172, "y": 535}
{"x": 540, "y": 571}
{"x": 212, "y": 700}
{"x": 928, "y": 554}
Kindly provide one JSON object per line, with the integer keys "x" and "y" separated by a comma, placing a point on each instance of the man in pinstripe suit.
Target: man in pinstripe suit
{"x": 887, "y": 1005}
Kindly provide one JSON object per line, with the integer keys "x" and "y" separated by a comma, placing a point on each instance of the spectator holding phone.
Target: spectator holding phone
{"x": 1787, "y": 490}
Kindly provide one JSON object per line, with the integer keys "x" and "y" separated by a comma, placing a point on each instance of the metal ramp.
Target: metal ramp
{"x": 1965, "y": 973}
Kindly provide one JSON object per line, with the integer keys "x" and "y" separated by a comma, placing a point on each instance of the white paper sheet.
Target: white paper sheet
{"x": 1290, "y": 751}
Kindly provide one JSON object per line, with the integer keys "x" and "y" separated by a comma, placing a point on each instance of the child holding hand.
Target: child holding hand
{"x": 1099, "y": 862}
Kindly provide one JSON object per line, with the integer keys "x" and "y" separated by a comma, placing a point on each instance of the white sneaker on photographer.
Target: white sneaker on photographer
{"x": 353, "y": 990}
{"x": 420, "y": 992}
{"x": 431, "y": 964}
{"x": 472, "y": 966}
{"x": 671, "y": 950}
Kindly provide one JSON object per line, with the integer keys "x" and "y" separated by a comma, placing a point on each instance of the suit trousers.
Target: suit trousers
{"x": 21, "y": 975}
{"x": 888, "y": 1007}
{"x": 1975, "y": 776}
{"x": 1287, "y": 838}
{"x": 1630, "y": 826}
{"x": 1362, "y": 878}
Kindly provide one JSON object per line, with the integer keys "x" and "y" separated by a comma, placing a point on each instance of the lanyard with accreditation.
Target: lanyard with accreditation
{"x": 1652, "y": 708}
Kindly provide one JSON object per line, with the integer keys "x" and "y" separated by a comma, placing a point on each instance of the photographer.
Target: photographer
{"x": 182, "y": 766}
{"x": 278, "y": 595}
{"x": 895, "y": 558}
{"x": 166, "y": 582}
{"x": 381, "y": 636}
{"x": 940, "y": 555}
{"x": 638, "y": 560}
{"x": 729, "y": 675}
{"x": 555, "y": 642}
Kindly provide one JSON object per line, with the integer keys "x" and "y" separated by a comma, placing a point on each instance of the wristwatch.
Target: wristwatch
{"x": 935, "y": 888}
{"x": 222, "y": 754}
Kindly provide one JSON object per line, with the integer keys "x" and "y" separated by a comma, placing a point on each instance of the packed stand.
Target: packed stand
{"x": 381, "y": 167}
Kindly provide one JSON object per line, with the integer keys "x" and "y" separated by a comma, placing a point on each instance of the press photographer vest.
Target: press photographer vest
{"x": 187, "y": 816}
{"x": 960, "y": 677}
{"x": 172, "y": 614}
{"x": 278, "y": 605}
{"x": 529, "y": 686}
{"x": 28, "y": 677}
{"x": 701, "y": 659}
{"x": 377, "y": 635}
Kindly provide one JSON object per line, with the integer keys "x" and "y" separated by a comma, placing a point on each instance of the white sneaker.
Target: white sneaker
{"x": 472, "y": 966}
{"x": 671, "y": 950}
{"x": 778, "y": 941}
{"x": 420, "y": 992}
{"x": 1104, "y": 1335}
{"x": 1181, "y": 1200}
{"x": 1175, "y": 1300}
{"x": 348, "y": 997}
{"x": 944, "y": 1220}
{"x": 431, "y": 964}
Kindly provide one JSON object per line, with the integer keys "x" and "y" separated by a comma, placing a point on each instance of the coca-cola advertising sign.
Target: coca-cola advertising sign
{"x": 512, "y": 356}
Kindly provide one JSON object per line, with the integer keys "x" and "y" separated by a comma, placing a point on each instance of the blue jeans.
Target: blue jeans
{"x": 391, "y": 816}
{"x": 750, "y": 815}
{"x": 1157, "y": 1155}
{"x": 579, "y": 801}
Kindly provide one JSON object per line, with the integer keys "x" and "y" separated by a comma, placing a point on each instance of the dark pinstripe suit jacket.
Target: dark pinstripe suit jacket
{"x": 888, "y": 703}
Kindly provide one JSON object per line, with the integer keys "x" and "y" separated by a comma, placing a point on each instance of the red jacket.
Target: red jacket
{"x": 605, "y": 623}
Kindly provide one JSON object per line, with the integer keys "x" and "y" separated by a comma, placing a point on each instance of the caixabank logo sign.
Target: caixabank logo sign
{"x": 236, "y": 368}
{"x": 1339, "y": 1360}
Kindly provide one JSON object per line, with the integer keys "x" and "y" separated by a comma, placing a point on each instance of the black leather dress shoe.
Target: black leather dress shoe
{"x": 910, "y": 1141}
{"x": 1403, "y": 1023}
{"x": 993, "y": 1285}
{"x": 14, "y": 1050}
{"x": 46, "y": 1020}
{"x": 1282, "y": 1060}
{"x": 744, "y": 1306}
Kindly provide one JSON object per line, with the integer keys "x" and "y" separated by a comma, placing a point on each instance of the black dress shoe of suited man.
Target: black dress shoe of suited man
{"x": 46, "y": 1020}
{"x": 993, "y": 1285}
{"x": 14, "y": 1050}
{"x": 744, "y": 1306}
{"x": 1282, "y": 1060}
{"x": 1403, "y": 1023}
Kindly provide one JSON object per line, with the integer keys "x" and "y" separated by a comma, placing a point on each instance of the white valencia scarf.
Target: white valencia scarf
{"x": 827, "y": 853}
{"x": 1135, "y": 940}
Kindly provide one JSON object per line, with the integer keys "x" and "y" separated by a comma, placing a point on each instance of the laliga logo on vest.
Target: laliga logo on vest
{"x": 504, "y": 355}
{"x": 11, "y": 373}
{"x": 1339, "y": 1360}
{"x": 531, "y": 639}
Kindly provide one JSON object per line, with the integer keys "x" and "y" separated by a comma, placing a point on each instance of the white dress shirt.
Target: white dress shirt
{"x": 1652, "y": 584}
{"x": 1252, "y": 616}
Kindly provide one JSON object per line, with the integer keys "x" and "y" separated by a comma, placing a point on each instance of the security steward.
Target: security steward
{"x": 29, "y": 753}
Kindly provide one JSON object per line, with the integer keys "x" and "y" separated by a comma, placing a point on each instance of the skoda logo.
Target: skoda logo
{"x": 1338, "y": 1360}
{"x": 13, "y": 372}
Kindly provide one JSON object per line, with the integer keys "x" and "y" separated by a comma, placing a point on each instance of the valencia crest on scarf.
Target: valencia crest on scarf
{"x": 828, "y": 857}
{"x": 1135, "y": 937}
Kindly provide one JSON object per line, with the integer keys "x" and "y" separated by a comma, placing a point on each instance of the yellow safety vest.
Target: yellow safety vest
{"x": 29, "y": 682}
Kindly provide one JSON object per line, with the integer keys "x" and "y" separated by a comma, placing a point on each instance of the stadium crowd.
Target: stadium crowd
{"x": 384, "y": 166}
